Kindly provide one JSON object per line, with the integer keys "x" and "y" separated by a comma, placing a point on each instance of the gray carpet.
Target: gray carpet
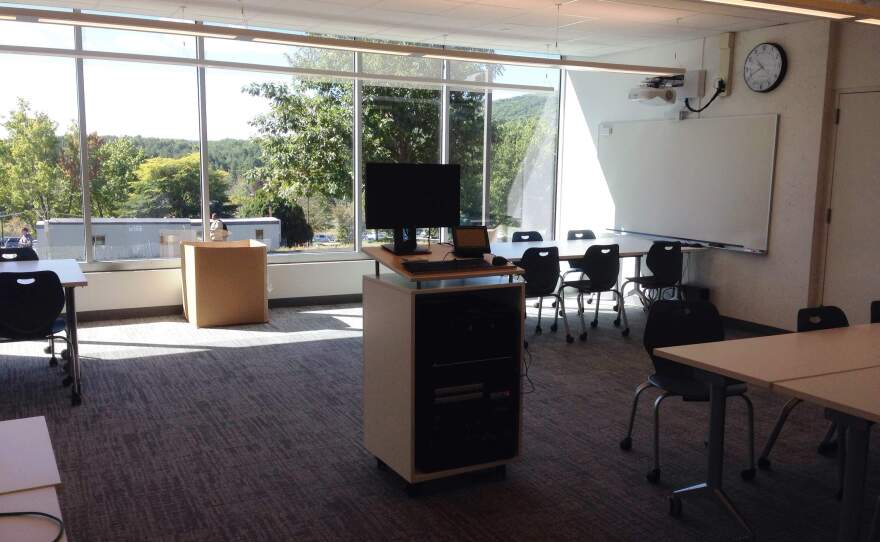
{"x": 254, "y": 433}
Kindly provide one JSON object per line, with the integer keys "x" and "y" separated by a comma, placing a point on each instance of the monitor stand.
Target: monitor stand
{"x": 405, "y": 243}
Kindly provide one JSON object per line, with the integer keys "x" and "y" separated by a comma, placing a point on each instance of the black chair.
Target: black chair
{"x": 601, "y": 265}
{"x": 809, "y": 319}
{"x": 577, "y": 235}
{"x": 664, "y": 260}
{"x": 541, "y": 274}
{"x": 526, "y": 236}
{"x": 32, "y": 304}
{"x": 875, "y": 312}
{"x": 18, "y": 254}
{"x": 676, "y": 323}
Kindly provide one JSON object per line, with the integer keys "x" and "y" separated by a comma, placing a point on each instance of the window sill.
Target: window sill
{"x": 174, "y": 263}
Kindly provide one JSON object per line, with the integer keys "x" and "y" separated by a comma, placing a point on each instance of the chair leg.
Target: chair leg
{"x": 626, "y": 443}
{"x": 828, "y": 445}
{"x": 654, "y": 475}
{"x": 621, "y": 313}
{"x": 764, "y": 460}
{"x": 841, "y": 461}
{"x": 749, "y": 473}
{"x": 53, "y": 361}
{"x": 538, "y": 330}
{"x": 568, "y": 337}
{"x": 580, "y": 300}
{"x": 595, "y": 321}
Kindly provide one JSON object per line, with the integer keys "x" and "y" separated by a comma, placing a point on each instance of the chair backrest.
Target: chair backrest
{"x": 664, "y": 261}
{"x": 524, "y": 236}
{"x": 576, "y": 235}
{"x": 602, "y": 264}
{"x": 676, "y": 323}
{"x": 875, "y": 312}
{"x": 541, "y": 266}
{"x": 816, "y": 318}
{"x": 18, "y": 254}
{"x": 31, "y": 303}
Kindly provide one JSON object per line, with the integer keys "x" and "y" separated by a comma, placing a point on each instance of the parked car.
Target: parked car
{"x": 323, "y": 239}
{"x": 9, "y": 242}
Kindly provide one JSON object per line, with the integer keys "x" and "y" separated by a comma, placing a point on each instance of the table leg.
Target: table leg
{"x": 715, "y": 465}
{"x": 856, "y": 431}
{"x": 73, "y": 347}
{"x": 377, "y": 268}
{"x": 638, "y": 275}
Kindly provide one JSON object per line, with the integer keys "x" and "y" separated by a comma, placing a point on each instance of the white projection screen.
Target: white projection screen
{"x": 708, "y": 180}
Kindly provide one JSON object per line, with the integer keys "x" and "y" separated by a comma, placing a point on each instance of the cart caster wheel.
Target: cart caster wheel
{"x": 569, "y": 339}
{"x": 763, "y": 463}
{"x": 828, "y": 448}
{"x": 553, "y": 328}
{"x": 625, "y": 332}
{"x": 413, "y": 490}
{"x": 500, "y": 472}
{"x": 626, "y": 444}
{"x": 675, "y": 506}
{"x": 381, "y": 465}
{"x": 67, "y": 381}
{"x": 65, "y": 355}
{"x": 47, "y": 350}
{"x": 538, "y": 330}
{"x": 76, "y": 399}
{"x": 615, "y": 308}
{"x": 748, "y": 474}
{"x": 594, "y": 324}
{"x": 589, "y": 300}
{"x": 553, "y": 304}
{"x": 617, "y": 323}
{"x": 583, "y": 336}
{"x": 53, "y": 362}
{"x": 653, "y": 476}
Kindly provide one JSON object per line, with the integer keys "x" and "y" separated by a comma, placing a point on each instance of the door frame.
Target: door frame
{"x": 822, "y": 228}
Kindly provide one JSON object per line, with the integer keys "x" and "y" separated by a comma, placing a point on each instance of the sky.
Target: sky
{"x": 153, "y": 100}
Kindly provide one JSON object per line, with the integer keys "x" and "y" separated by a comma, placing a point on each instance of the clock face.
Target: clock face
{"x": 765, "y": 67}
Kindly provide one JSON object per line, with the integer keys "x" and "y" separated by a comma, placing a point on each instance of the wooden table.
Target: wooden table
{"x": 28, "y": 480}
{"x": 71, "y": 277}
{"x": 631, "y": 246}
{"x": 438, "y": 253}
{"x": 837, "y": 368}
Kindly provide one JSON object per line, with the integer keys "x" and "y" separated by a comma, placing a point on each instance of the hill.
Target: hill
{"x": 526, "y": 105}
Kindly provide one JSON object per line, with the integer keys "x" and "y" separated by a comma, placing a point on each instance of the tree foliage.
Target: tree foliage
{"x": 169, "y": 188}
{"x": 295, "y": 229}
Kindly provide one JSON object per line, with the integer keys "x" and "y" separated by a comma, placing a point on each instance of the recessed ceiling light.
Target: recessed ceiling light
{"x": 783, "y": 8}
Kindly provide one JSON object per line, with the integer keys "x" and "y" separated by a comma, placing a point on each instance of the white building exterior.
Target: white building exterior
{"x": 142, "y": 238}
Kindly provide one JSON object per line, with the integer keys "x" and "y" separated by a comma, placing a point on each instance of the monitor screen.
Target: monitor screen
{"x": 411, "y": 195}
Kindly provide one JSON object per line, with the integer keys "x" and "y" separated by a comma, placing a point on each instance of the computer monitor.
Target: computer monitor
{"x": 404, "y": 197}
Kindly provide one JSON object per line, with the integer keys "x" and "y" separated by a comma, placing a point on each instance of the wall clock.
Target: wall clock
{"x": 765, "y": 67}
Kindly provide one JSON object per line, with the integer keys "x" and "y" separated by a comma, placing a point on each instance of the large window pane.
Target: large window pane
{"x": 286, "y": 145}
{"x": 40, "y": 185}
{"x": 400, "y": 125}
{"x": 36, "y": 34}
{"x": 143, "y": 146}
{"x": 144, "y": 43}
{"x": 523, "y": 162}
{"x": 466, "y": 129}
{"x": 269, "y": 54}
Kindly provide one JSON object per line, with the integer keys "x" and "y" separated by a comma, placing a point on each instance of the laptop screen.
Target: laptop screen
{"x": 471, "y": 238}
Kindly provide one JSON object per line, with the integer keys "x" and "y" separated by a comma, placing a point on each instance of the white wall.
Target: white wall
{"x": 764, "y": 289}
{"x": 161, "y": 287}
{"x": 857, "y": 59}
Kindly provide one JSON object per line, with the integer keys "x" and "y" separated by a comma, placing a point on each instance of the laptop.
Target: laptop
{"x": 470, "y": 241}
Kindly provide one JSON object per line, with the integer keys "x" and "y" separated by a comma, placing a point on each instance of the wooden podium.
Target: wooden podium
{"x": 439, "y": 350}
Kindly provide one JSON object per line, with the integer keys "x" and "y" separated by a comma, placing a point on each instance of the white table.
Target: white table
{"x": 71, "y": 277}
{"x": 836, "y": 368}
{"x": 631, "y": 246}
{"x": 28, "y": 480}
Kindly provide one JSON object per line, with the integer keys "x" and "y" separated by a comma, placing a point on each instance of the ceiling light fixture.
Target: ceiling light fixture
{"x": 869, "y": 21}
{"x": 135, "y": 27}
{"x": 793, "y": 7}
{"x": 343, "y": 47}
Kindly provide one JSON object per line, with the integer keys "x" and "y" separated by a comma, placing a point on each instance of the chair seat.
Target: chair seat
{"x": 585, "y": 285}
{"x": 650, "y": 282}
{"x": 59, "y": 325}
{"x": 692, "y": 390}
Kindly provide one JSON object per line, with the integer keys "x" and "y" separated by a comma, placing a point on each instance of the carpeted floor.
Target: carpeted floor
{"x": 254, "y": 433}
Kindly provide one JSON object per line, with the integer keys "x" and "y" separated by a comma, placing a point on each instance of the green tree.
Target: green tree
{"x": 118, "y": 162}
{"x": 33, "y": 182}
{"x": 295, "y": 230}
{"x": 169, "y": 188}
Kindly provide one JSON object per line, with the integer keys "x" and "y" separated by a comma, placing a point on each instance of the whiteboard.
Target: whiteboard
{"x": 708, "y": 180}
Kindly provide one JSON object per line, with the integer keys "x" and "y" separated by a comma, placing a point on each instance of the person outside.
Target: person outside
{"x": 219, "y": 231}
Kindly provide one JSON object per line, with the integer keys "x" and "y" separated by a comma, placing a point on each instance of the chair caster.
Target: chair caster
{"x": 65, "y": 355}
{"x": 748, "y": 474}
{"x": 561, "y": 312}
{"x": 827, "y": 449}
{"x": 617, "y": 323}
{"x": 594, "y": 324}
{"x": 553, "y": 304}
{"x": 675, "y": 508}
{"x": 569, "y": 339}
{"x": 583, "y": 336}
{"x": 381, "y": 465}
{"x": 626, "y": 444}
{"x": 538, "y": 330}
{"x": 47, "y": 350}
{"x": 554, "y": 327}
{"x": 763, "y": 463}
{"x": 589, "y": 300}
{"x": 67, "y": 381}
{"x": 75, "y": 399}
{"x": 53, "y": 362}
{"x": 625, "y": 332}
{"x": 615, "y": 308}
{"x": 66, "y": 367}
{"x": 413, "y": 490}
{"x": 653, "y": 476}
